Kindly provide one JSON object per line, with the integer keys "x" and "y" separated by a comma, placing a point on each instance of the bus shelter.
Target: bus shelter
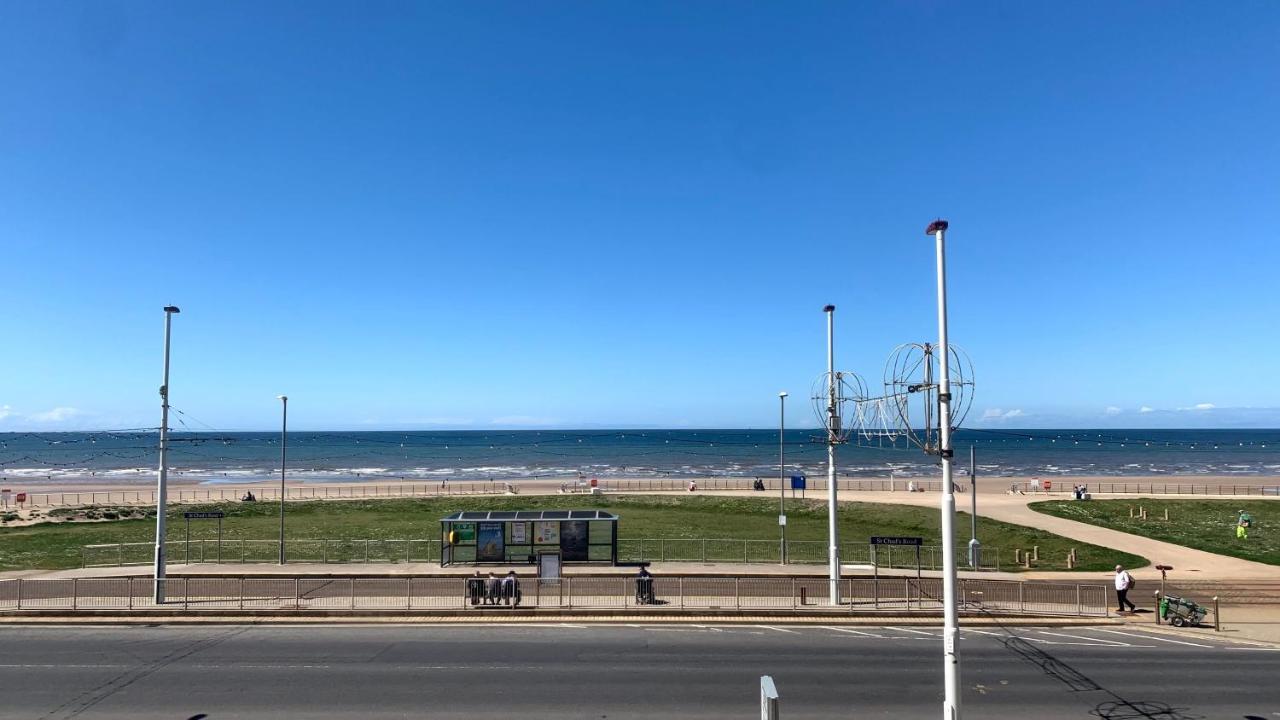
{"x": 520, "y": 536}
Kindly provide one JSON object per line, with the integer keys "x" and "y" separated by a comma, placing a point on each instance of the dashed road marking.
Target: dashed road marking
{"x": 1089, "y": 639}
{"x": 1150, "y": 636}
{"x": 917, "y": 632}
{"x": 851, "y": 631}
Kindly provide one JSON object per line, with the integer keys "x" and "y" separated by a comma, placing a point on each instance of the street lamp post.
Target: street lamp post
{"x": 284, "y": 440}
{"x": 782, "y": 473}
{"x": 950, "y": 631}
{"x": 833, "y": 437}
{"x": 162, "y": 484}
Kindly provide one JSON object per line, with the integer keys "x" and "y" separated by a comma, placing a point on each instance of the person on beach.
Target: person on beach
{"x": 1124, "y": 582}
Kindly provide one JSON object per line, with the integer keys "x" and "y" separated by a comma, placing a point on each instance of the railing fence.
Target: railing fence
{"x": 890, "y": 594}
{"x": 335, "y": 551}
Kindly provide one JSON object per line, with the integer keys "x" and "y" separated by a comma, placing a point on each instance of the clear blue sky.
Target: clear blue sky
{"x": 620, "y": 214}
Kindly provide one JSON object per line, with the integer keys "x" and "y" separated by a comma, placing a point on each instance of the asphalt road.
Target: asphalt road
{"x": 617, "y": 672}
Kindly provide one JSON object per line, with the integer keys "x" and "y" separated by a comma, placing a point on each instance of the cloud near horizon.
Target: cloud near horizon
{"x": 991, "y": 414}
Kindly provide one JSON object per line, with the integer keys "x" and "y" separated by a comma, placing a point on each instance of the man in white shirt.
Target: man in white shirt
{"x": 1124, "y": 581}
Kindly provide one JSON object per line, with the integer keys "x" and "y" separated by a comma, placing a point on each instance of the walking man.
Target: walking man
{"x": 1124, "y": 581}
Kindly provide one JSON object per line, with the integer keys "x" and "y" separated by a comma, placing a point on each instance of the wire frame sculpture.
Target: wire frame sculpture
{"x": 911, "y": 381}
{"x": 851, "y": 390}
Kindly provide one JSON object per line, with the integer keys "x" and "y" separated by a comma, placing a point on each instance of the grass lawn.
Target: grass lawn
{"x": 1208, "y": 525}
{"x": 57, "y": 546}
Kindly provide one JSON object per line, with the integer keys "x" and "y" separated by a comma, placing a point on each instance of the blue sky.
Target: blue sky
{"x": 631, "y": 214}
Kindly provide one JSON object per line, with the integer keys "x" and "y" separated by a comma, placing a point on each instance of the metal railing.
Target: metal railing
{"x": 326, "y": 551}
{"x": 817, "y": 486}
{"x": 1181, "y": 489}
{"x": 309, "y": 492}
{"x": 887, "y": 594}
{"x": 374, "y": 490}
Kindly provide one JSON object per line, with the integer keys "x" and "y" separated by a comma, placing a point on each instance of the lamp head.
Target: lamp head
{"x": 172, "y": 309}
{"x": 935, "y": 226}
{"x": 282, "y": 397}
{"x": 782, "y": 394}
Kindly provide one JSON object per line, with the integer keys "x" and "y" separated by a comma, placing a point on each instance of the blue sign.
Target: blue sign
{"x": 797, "y": 482}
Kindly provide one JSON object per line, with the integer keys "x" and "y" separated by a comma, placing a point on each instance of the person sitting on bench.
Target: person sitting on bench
{"x": 511, "y": 589}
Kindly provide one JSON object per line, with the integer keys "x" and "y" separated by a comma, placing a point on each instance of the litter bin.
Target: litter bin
{"x": 644, "y": 591}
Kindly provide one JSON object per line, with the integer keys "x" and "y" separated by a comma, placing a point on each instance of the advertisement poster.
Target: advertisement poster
{"x": 489, "y": 546}
{"x": 466, "y": 533}
{"x": 573, "y": 540}
{"x": 519, "y": 533}
{"x": 547, "y": 532}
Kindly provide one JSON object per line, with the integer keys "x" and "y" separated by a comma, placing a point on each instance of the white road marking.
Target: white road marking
{"x": 1089, "y": 639}
{"x": 984, "y": 632}
{"x": 852, "y": 631}
{"x": 918, "y": 632}
{"x": 1152, "y": 636}
{"x": 1264, "y": 649}
{"x": 781, "y": 630}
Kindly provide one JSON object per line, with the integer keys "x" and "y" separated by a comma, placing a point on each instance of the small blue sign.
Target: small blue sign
{"x": 797, "y": 482}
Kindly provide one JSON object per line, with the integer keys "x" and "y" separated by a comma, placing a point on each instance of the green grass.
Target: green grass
{"x": 56, "y": 546}
{"x": 1207, "y": 525}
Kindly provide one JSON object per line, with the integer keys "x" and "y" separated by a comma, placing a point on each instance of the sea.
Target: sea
{"x": 131, "y": 457}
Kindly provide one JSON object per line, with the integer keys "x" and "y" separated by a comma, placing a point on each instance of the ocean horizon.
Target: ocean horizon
{"x": 225, "y": 457}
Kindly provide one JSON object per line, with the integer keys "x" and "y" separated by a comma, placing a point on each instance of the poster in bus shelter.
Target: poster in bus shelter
{"x": 547, "y": 532}
{"x": 466, "y": 533}
{"x": 573, "y": 540}
{"x": 489, "y": 543}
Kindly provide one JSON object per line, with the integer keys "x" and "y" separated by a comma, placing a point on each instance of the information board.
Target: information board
{"x": 889, "y": 540}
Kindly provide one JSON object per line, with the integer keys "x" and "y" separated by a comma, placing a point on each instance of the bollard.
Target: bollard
{"x": 1166, "y": 513}
{"x": 1035, "y": 553}
{"x": 1070, "y": 562}
{"x": 1026, "y": 559}
{"x": 1130, "y": 512}
{"x": 1157, "y": 613}
{"x": 1017, "y": 556}
{"x": 1217, "y": 624}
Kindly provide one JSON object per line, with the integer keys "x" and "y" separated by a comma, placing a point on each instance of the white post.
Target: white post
{"x": 768, "y": 698}
{"x": 162, "y": 484}
{"x": 833, "y": 431}
{"x": 284, "y": 437}
{"x": 950, "y": 631}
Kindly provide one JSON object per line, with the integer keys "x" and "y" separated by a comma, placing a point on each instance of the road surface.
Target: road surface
{"x": 621, "y": 672}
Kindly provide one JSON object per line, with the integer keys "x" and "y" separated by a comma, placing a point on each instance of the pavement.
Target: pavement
{"x": 620, "y": 672}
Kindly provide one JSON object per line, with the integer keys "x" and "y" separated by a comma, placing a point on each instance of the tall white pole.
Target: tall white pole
{"x": 950, "y": 630}
{"x": 162, "y": 484}
{"x": 284, "y": 439}
{"x": 833, "y": 433}
{"x": 782, "y": 467}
